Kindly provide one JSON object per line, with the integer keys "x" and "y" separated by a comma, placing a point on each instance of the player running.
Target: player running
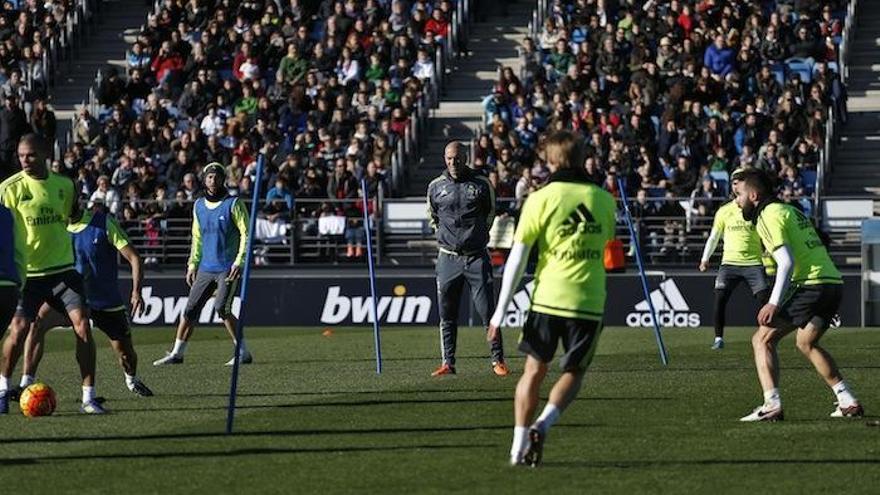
{"x": 805, "y": 297}
{"x": 219, "y": 231}
{"x": 46, "y": 201}
{"x": 13, "y": 253}
{"x": 570, "y": 219}
{"x": 97, "y": 238}
{"x": 740, "y": 261}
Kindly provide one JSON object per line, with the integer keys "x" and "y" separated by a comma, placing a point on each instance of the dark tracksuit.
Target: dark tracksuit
{"x": 461, "y": 213}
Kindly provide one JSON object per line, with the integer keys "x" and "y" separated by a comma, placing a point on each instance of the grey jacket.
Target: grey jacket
{"x": 461, "y": 211}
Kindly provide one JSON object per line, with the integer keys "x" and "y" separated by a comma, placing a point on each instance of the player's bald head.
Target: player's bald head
{"x": 453, "y": 157}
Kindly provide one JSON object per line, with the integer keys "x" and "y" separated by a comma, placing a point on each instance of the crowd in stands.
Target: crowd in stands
{"x": 671, "y": 96}
{"x": 27, "y": 29}
{"x": 324, "y": 90}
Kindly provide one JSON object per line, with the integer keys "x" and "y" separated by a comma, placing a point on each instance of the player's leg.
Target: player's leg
{"x": 68, "y": 293}
{"x": 764, "y": 346}
{"x": 579, "y": 339}
{"x": 226, "y": 291}
{"x": 824, "y": 303}
{"x": 538, "y": 342}
{"x": 478, "y": 273}
{"x": 725, "y": 283}
{"x": 450, "y": 282}
{"x": 115, "y": 325}
{"x": 9, "y": 298}
{"x": 47, "y": 319}
{"x": 32, "y": 297}
{"x": 199, "y": 293}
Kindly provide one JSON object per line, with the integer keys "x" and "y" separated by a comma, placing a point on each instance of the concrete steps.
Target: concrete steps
{"x": 460, "y": 115}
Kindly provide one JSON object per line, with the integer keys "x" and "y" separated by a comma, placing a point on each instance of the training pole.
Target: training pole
{"x": 635, "y": 242}
{"x": 245, "y": 277}
{"x": 377, "y": 341}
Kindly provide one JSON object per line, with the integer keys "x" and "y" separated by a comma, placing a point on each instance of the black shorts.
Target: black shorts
{"x": 8, "y": 303}
{"x": 542, "y": 332}
{"x": 729, "y": 276}
{"x": 816, "y": 304}
{"x": 63, "y": 291}
{"x": 114, "y": 322}
{"x": 205, "y": 286}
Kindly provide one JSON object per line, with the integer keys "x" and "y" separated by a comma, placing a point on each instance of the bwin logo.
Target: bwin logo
{"x": 398, "y": 308}
{"x": 518, "y": 308}
{"x": 672, "y": 310}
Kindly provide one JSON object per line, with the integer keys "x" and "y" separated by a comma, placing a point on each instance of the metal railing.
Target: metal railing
{"x": 667, "y": 240}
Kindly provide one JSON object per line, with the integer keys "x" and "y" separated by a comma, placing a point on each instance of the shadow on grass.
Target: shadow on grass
{"x": 636, "y": 464}
{"x": 235, "y": 452}
{"x": 272, "y": 433}
{"x": 371, "y": 403}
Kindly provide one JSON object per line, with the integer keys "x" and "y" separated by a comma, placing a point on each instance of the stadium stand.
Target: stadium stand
{"x": 36, "y": 39}
{"x": 671, "y": 96}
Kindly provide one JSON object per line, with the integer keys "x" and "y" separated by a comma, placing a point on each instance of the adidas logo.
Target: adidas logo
{"x": 518, "y": 308}
{"x": 672, "y": 310}
{"x": 580, "y": 221}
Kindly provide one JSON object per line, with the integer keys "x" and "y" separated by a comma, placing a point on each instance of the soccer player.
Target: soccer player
{"x": 461, "y": 209}
{"x": 46, "y": 202}
{"x": 12, "y": 264}
{"x": 570, "y": 219}
{"x": 219, "y": 242}
{"x": 740, "y": 261}
{"x": 806, "y": 295}
{"x": 96, "y": 239}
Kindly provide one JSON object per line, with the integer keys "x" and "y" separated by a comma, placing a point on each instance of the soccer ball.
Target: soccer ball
{"x": 37, "y": 400}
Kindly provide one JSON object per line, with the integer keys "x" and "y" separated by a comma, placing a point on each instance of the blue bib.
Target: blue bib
{"x": 220, "y": 236}
{"x": 8, "y": 270}
{"x": 96, "y": 260}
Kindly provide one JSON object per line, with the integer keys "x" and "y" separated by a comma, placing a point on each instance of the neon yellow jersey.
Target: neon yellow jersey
{"x": 45, "y": 206}
{"x": 570, "y": 222}
{"x": 117, "y": 237}
{"x": 742, "y": 247}
{"x": 784, "y": 225}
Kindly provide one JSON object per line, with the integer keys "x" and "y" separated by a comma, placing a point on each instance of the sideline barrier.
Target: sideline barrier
{"x": 683, "y": 300}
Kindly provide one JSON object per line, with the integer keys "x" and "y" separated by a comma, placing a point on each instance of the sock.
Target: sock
{"x": 719, "y": 339}
{"x": 4, "y": 383}
{"x": 26, "y": 381}
{"x": 845, "y": 397}
{"x": 771, "y": 398}
{"x": 88, "y": 394}
{"x": 179, "y": 347}
{"x": 244, "y": 349}
{"x": 548, "y": 416}
{"x": 130, "y": 380}
{"x": 520, "y": 442}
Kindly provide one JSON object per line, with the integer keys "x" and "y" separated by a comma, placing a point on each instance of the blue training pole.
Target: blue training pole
{"x": 377, "y": 341}
{"x": 245, "y": 277}
{"x": 635, "y": 241}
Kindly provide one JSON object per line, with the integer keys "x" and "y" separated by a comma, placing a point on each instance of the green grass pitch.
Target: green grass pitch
{"x": 315, "y": 418}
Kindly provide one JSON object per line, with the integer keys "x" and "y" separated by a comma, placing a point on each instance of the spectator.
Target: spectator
{"x": 106, "y": 195}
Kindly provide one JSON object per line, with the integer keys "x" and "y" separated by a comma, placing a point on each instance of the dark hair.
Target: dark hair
{"x": 758, "y": 181}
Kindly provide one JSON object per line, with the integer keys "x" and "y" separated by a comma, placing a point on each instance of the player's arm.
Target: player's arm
{"x": 120, "y": 241}
{"x": 712, "y": 242}
{"x": 433, "y": 220}
{"x": 525, "y": 236}
{"x": 490, "y": 216}
{"x": 709, "y": 248}
{"x": 772, "y": 234}
{"x": 240, "y": 218}
{"x": 195, "y": 250}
